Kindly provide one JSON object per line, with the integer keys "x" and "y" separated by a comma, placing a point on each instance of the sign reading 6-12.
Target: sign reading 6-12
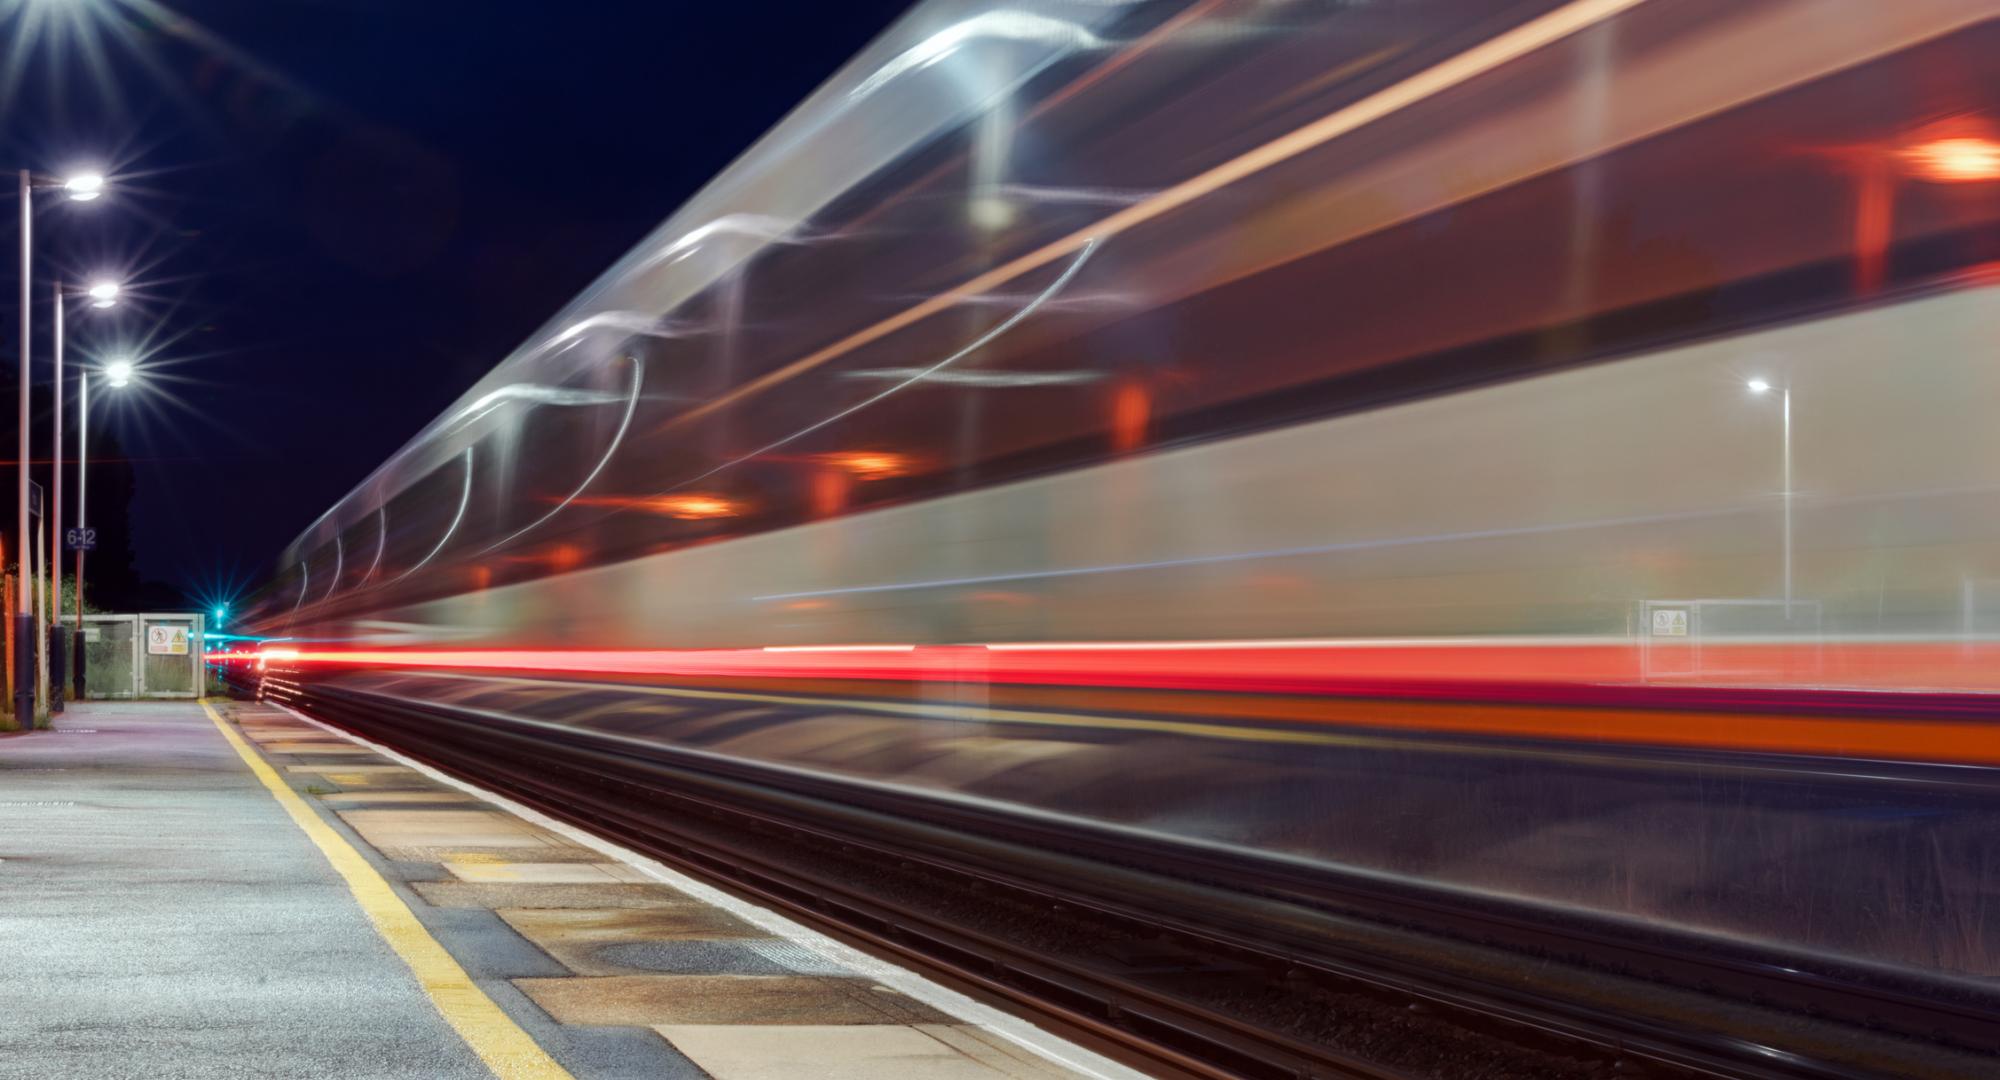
{"x": 80, "y": 538}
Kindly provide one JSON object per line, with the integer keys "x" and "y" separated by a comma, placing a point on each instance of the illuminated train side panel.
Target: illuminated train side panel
{"x": 1543, "y": 507}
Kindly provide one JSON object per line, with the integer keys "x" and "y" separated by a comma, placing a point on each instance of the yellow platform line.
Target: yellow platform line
{"x": 485, "y": 1027}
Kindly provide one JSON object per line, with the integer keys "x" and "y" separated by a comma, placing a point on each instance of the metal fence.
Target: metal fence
{"x": 149, "y": 655}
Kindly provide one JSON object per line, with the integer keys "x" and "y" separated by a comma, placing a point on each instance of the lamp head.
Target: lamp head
{"x": 84, "y": 187}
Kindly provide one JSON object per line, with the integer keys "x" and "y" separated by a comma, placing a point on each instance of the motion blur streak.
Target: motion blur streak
{"x": 457, "y": 518}
{"x": 1482, "y": 58}
{"x": 1010, "y": 322}
{"x": 617, "y": 438}
{"x": 1520, "y": 448}
{"x": 1841, "y": 669}
{"x": 1280, "y": 672}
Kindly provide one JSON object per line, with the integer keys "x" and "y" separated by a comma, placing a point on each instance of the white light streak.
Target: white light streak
{"x": 632, "y": 322}
{"x": 464, "y": 500}
{"x": 1069, "y": 273}
{"x": 986, "y": 379}
{"x": 764, "y": 227}
{"x": 338, "y": 560}
{"x": 1085, "y": 196}
{"x": 381, "y": 541}
{"x": 532, "y": 393}
{"x": 631, "y": 406}
{"x": 992, "y": 25}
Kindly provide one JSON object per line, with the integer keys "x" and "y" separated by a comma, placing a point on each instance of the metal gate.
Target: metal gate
{"x": 150, "y": 655}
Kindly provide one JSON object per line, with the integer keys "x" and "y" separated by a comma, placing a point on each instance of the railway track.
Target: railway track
{"x": 1145, "y": 950}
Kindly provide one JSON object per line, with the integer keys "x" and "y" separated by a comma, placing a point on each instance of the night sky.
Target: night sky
{"x": 337, "y": 214}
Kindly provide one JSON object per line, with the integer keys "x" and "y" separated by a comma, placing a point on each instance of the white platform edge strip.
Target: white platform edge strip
{"x": 950, "y": 1002}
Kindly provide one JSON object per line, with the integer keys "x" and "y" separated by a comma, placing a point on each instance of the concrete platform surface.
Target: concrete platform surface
{"x": 239, "y": 892}
{"x": 160, "y": 916}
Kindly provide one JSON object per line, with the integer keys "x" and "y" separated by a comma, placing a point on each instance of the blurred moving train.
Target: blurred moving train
{"x": 1536, "y": 447}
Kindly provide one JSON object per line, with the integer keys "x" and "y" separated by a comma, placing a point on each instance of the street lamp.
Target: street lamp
{"x": 81, "y": 188}
{"x": 119, "y": 374}
{"x": 84, "y": 187}
{"x": 1761, "y": 386}
{"x": 103, "y": 294}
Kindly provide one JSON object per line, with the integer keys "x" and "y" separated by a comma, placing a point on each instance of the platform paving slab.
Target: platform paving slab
{"x": 748, "y": 1000}
{"x": 545, "y": 873}
{"x": 162, "y": 917}
{"x": 557, "y": 897}
{"x": 932, "y": 1051}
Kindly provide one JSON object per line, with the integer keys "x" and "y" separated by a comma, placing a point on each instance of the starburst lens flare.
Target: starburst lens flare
{"x": 104, "y": 294}
{"x": 118, "y": 373}
{"x": 84, "y": 186}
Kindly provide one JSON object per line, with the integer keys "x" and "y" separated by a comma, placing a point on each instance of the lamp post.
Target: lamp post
{"x": 118, "y": 374}
{"x": 24, "y": 622}
{"x": 1760, "y": 386}
{"x": 55, "y": 523}
{"x": 103, "y": 294}
{"x": 81, "y": 188}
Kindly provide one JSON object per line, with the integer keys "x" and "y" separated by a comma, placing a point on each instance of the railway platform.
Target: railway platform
{"x": 229, "y": 889}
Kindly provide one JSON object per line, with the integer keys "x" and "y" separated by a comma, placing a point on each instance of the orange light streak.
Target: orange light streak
{"x": 1131, "y": 415}
{"x": 694, "y": 506}
{"x": 830, "y": 488}
{"x": 1959, "y": 160}
{"x": 867, "y": 464}
{"x": 1874, "y": 207}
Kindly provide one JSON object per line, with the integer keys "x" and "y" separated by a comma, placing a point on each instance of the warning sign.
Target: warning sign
{"x": 167, "y": 640}
{"x": 1669, "y": 622}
